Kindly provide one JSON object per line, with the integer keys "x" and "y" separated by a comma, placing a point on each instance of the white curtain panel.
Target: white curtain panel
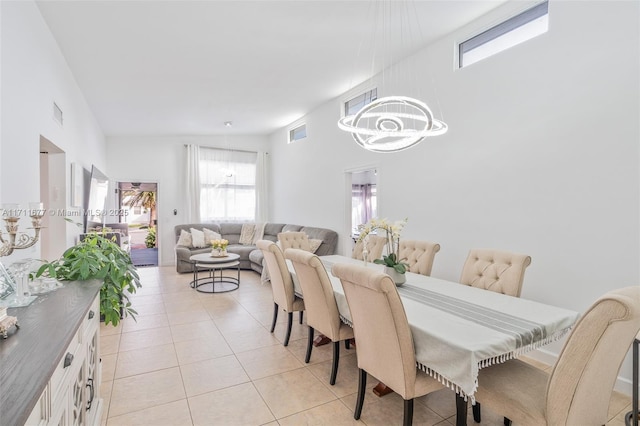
{"x": 193, "y": 184}
{"x": 228, "y": 185}
{"x": 262, "y": 187}
{"x": 363, "y": 204}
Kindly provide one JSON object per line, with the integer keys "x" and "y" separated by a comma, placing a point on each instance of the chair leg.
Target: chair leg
{"x": 476, "y": 413}
{"x": 362, "y": 383}
{"x": 309, "y": 345}
{"x": 347, "y": 344}
{"x": 507, "y": 422}
{"x": 408, "y": 412}
{"x": 289, "y": 324}
{"x": 301, "y": 313}
{"x": 275, "y": 316}
{"x": 336, "y": 360}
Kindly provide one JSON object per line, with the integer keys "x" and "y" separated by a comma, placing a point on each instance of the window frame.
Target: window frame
{"x": 504, "y": 27}
{"x": 353, "y": 95}
{"x": 291, "y": 130}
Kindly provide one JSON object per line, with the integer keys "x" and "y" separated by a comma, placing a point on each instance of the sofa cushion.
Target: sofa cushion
{"x": 291, "y": 228}
{"x": 271, "y": 231}
{"x": 197, "y": 238}
{"x": 314, "y": 244}
{"x": 210, "y": 235}
{"x": 256, "y": 257}
{"x": 246, "y": 234}
{"x": 185, "y": 239}
{"x": 329, "y": 239}
{"x": 231, "y": 232}
{"x": 242, "y": 250}
{"x": 186, "y": 227}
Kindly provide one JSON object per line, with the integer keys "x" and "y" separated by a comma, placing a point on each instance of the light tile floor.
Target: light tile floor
{"x": 209, "y": 359}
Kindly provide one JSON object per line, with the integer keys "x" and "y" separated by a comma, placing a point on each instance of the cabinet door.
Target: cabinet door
{"x": 60, "y": 411}
{"x": 92, "y": 385}
{"x": 40, "y": 414}
{"x": 77, "y": 397}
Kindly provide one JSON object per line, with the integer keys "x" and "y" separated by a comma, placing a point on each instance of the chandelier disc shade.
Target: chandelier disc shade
{"x": 392, "y": 123}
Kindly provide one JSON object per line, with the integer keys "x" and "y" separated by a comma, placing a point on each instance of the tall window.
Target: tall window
{"x": 227, "y": 185}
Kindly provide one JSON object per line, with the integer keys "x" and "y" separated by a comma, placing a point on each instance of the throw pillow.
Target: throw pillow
{"x": 185, "y": 239}
{"x": 315, "y": 244}
{"x": 258, "y": 233}
{"x": 210, "y": 235}
{"x": 246, "y": 234}
{"x": 197, "y": 237}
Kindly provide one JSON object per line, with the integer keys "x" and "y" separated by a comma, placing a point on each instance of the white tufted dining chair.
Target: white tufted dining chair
{"x": 494, "y": 270}
{"x": 320, "y": 304}
{"x": 284, "y": 296}
{"x": 375, "y": 247}
{"x": 295, "y": 240}
{"x": 418, "y": 255}
{"x": 383, "y": 336}
{"x": 578, "y": 389}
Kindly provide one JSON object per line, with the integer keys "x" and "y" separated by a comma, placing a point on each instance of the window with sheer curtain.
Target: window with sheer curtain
{"x": 227, "y": 185}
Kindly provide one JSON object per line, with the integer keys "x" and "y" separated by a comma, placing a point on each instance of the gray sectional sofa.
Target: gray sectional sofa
{"x": 250, "y": 256}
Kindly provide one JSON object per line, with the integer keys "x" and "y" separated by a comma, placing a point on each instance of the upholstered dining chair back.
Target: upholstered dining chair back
{"x": 319, "y": 300}
{"x": 281, "y": 282}
{"x": 296, "y": 240}
{"x": 418, "y": 255}
{"x": 582, "y": 379}
{"x": 578, "y": 389}
{"x": 495, "y": 270}
{"x": 383, "y": 337}
{"x": 375, "y": 247}
{"x": 320, "y": 304}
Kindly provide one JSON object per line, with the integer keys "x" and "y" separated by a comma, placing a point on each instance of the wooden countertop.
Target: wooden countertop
{"x": 29, "y": 355}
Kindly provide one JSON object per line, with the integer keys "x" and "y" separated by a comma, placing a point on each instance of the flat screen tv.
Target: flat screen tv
{"x": 98, "y": 190}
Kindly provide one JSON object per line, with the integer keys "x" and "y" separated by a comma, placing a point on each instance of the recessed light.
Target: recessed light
{"x": 228, "y": 123}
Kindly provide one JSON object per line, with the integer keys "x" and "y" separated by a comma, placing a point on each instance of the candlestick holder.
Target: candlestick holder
{"x": 13, "y": 239}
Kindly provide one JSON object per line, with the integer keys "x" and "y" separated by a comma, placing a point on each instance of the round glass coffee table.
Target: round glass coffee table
{"x": 215, "y": 281}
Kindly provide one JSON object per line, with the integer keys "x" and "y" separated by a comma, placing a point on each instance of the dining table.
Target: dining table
{"x": 459, "y": 329}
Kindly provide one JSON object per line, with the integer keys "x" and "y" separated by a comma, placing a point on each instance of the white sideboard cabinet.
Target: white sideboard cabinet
{"x": 50, "y": 367}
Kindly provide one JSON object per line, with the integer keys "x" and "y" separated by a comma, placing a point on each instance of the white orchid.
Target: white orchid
{"x": 392, "y": 259}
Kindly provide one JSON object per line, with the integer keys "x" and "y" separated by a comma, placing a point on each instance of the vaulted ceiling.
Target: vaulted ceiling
{"x": 186, "y": 67}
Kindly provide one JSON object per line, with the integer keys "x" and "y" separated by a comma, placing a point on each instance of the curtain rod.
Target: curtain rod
{"x": 227, "y": 149}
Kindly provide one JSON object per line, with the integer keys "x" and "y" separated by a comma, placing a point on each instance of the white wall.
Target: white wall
{"x": 34, "y": 75}
{"x": 162, "y": 159}
{"x": 541, "y": 157}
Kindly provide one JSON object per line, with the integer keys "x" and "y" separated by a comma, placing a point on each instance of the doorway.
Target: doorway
{"x": 137, "y": 203}
{"x": 362, "y": 195}
{"x": 53, "y": 235}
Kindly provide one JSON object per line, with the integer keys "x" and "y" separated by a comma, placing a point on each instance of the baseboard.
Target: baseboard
{"x": 622, "y": 385}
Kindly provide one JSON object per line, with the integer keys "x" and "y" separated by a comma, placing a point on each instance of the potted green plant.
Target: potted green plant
{"x": 150, "y": 239}
{"x": 97, "y": 257}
